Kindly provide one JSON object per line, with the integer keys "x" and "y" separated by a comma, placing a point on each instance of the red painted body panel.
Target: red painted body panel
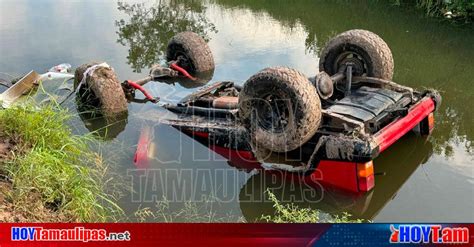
{"x": 394, "y": 131}
{"x": 339, "y": 174}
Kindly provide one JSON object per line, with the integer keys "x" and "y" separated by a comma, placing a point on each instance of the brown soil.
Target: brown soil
{"x": 32, "y": 210}
{"x": 6, "y": 145}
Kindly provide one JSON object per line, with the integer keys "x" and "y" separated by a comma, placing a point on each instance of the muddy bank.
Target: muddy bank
{"x": 48, "y": 173}
{"x": 6, "y": 146}
{"x": 32, "y": 210}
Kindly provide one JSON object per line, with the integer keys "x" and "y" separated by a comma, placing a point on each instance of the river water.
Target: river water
{"x": 417, "y": 179}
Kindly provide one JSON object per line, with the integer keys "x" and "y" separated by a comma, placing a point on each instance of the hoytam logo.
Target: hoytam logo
{"x": 429, "y": 234}
{"x": 74, "y": 234}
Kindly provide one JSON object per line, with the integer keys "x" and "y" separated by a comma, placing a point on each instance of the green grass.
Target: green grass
{"x": 462, "y": 10}
{"x": 290, "y": 213}
{"x": 54, "y": 165}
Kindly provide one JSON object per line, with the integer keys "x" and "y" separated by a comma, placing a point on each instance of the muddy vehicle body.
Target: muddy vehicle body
{"x": 334, "y": 123}
{"x": 353, "y": 131}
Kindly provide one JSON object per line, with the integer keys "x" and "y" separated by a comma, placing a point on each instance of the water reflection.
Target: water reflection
{"x": 103, "y": 127}
{"x": 391, "y": 174}
{"x": 149, "y": 28}
{"x": 427, "y": 54}
{"x": 201, "y": 79}
{"x": 254, "y": 35}
{"x": 395, "y": 166}
{"x": 419, "y": 62}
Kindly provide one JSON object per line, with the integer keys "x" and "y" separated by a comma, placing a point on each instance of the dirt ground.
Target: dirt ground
{"x": 7, "y": 212}
{"x": 6, "y": 146}
{"x": 32, "y": 211}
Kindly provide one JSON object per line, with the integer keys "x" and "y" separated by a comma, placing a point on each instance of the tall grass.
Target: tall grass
{"x": 53, "y": 165}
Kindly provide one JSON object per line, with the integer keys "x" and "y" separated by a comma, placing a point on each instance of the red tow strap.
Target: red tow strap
{"x": 142, "y": 89}
{"x": 182, "y": 71}
{"x": 173, "y": 66}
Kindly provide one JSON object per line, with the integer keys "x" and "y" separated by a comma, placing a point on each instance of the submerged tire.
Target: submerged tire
{"x": 102, "y": 89}
{"x": 280, "y": 108}
{"x": 194, "y": 49}
{"x": 102, "y": 126}
{"x": 369, "y": 52}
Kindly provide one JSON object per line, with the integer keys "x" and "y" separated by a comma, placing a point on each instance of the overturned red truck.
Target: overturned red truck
{"x": 336, "y": 122}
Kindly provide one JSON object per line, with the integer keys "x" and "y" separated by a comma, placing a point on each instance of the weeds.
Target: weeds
{"x": 52, "y": 165}
{"x": 462, "y": 10}
{"x": 291, "y": 213}
{"x": 164, "y": 211}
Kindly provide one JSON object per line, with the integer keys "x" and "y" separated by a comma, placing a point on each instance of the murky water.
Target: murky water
{"x": 417, "y": 179}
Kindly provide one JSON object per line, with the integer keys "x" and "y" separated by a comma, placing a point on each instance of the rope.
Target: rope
{"x": 89, "y": 71}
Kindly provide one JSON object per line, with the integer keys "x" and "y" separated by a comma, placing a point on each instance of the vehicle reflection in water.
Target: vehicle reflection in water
{"x": 147, "y": 33}
{"x": 391, "y": 170}
{"x": 419, "y": 63}
{"x": 103, "y": 127}
{"x": 391, "y": 173}
{"x": 202, "y": 79}
{"x": 253, "y": 35}
{"x": 109, "y": 127}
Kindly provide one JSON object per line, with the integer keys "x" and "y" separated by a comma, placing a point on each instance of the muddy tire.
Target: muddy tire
{"x": 280, "y": 108}
{"x": 370, "y": 54}
{"x": 195, "y": 51}
{"x": 101, "y": 89}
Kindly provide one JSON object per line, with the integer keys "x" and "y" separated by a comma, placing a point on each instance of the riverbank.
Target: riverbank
{"x": 48, "y": 174}
{"x": 461, "y": 11}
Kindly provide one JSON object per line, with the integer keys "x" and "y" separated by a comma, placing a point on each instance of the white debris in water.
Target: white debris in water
{"x": 55, "y": 75}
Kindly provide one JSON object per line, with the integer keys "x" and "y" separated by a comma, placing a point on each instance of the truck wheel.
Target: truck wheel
{"x": 280, "y": 108}
{"x": 101, "y": 89}
{"x": 368, "y": 52}
{"x": 196, "y": 56}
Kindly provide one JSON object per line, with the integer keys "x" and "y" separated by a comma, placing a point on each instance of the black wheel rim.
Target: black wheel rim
{"x": 272, "y": 113}
{"x": 359, "y": 64}
{"x": 182, "y": 58}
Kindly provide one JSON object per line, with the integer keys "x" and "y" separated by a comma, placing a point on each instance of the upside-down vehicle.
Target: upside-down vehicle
{"x": 336, "y": 122}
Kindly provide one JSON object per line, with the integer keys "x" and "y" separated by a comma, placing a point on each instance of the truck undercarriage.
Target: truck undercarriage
{"x": 336, "y": 122}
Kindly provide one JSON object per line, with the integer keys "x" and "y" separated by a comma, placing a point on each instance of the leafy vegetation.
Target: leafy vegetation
{"x": 290, "y": 213}
{"x": 462, "y": 10}
{"x": 52, "y": 166}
